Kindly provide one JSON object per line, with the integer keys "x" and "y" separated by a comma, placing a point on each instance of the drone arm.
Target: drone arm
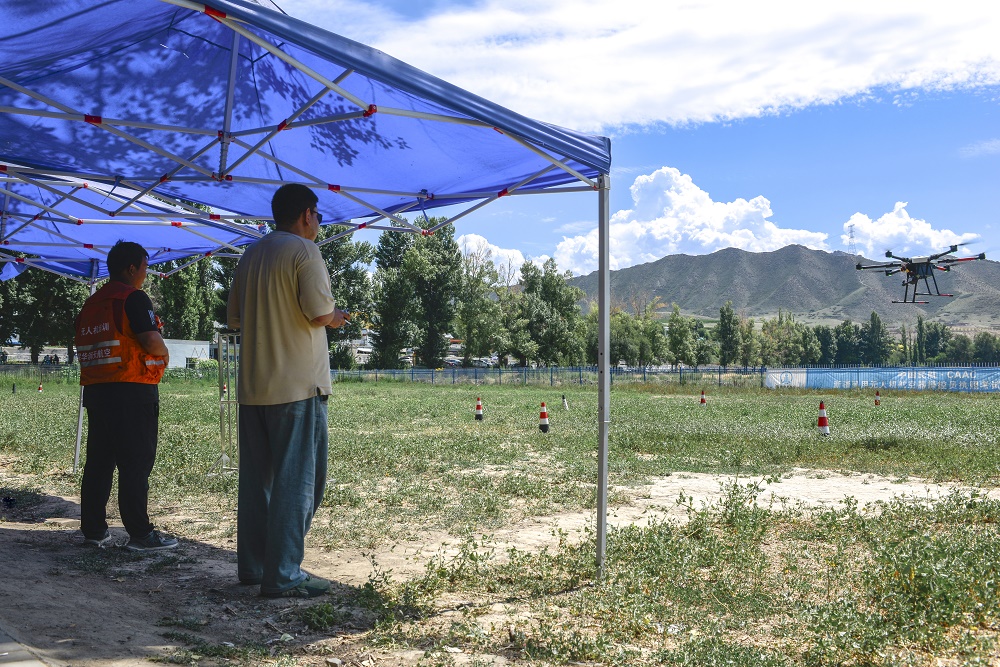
{"x": 887, "y": 265}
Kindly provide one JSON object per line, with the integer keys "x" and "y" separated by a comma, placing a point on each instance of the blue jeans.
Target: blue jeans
{"x": 283, "y": 459}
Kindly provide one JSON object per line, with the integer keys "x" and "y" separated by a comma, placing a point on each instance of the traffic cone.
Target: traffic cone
{"x": 479, "y": 410}
{"x": 565, "y": 403}
{"x": 39, "y": 386}
{"x": 703, "y": 401}
{"x": 878, "y": 399}
{"x": 543, "y": 420}
{"x": 823, "y": 424}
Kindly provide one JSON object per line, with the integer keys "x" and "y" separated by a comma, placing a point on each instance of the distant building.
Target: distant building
{"x": 186, "y": 353}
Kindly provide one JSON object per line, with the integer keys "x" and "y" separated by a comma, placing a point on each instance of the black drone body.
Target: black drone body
{"x": 917, "y": 269}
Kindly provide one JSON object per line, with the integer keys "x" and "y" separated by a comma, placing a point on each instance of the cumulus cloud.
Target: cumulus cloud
{"x": 671, "y": 215}
{"x": 904, "y": 235}
{"x": 507, "y": 260}
{"x": 590, "y": 64}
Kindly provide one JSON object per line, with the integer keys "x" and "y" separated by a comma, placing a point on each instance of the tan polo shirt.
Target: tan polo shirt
{"x": 281, "y": 285}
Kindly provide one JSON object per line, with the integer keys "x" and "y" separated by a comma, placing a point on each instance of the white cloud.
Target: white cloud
{"x": 898, "y": 232}
{"x": 673, "y": 215}
{"x": 990, "y": 147}
{"x": 505, "y": 259}
{"x": 593, "y": 64}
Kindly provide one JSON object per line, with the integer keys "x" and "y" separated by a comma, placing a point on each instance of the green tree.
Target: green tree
{"x": 394, "y": 301}
{"x": 749, "y": 343}
{"x": 921, "y": 342}
{"x": 550, "y": 305}
{"x": 680, "y": 338}
{"x": 827, "y": 344}
{"x": 848, "y": 335}
{"x": 42, "y": 308}
{"x": 434, "y": 267}
{"x": 479, "y": 319}
{"x": 960, "y": 350}
{"x": 936, "y": 339}
{"x": 728, "y": 335}
{"x": 782, "y": 342}
{"x": 986, "y": 348}
{"x": 876, "y": 343}
{"x": 184, "y": 299}
{"x": 346, "y": 261}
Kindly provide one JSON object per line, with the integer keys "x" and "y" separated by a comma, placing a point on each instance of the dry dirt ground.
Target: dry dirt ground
{"x": 79, "y": 606}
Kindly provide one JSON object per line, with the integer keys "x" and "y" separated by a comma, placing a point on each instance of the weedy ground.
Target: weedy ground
{"x": 735, "y": 582}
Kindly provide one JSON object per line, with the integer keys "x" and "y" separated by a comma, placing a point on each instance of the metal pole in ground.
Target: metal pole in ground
{"x": 603, "y": 361}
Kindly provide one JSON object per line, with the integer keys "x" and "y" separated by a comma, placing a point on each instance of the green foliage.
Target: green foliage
{"x": 187, "y": 299}
{"x": 40, "y": 308}
{"x": 479, "y": 317}
{"x": 729, "y": 335}
{"x": 346, "y": 261}
{"x": 394, "y": 301}
{"x": 433, "y": 266}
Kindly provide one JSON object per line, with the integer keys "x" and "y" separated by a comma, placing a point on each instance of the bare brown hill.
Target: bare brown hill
{"x": 817, "y": 287}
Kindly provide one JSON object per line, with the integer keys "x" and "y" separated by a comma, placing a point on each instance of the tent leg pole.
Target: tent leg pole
{"x": 94, "y": 265}
{"x": 79, "y": 433}
{"x": 603, "y": 363}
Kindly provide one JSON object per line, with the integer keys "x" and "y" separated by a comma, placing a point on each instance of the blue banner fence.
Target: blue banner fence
{"x": 912, "y": 378}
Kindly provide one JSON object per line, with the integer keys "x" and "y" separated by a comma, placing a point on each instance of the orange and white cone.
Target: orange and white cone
{"x": 543, "y": 420}
{"x": 878, "y": 399}
{"x": 703, "y": 401}
{"x": 823, "y": 423}
{"x": 479, "y": 410}
{"x": 39, "y": 387}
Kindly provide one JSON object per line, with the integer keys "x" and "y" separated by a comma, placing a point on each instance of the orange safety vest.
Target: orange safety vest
{"x": 105, "y": 353}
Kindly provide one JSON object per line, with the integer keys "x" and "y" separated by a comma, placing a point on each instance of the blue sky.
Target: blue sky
{"x": 733, "y": 124}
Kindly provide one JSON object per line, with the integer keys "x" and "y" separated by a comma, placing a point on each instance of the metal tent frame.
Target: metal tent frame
{"x": 157, "y": 175}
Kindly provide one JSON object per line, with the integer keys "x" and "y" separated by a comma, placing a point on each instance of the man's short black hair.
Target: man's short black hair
{"x": 289, "y": 201}
{"x": 123, "y": 255}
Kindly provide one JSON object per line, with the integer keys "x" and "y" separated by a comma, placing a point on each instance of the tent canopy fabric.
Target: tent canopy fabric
{"x": 117, "y": 116}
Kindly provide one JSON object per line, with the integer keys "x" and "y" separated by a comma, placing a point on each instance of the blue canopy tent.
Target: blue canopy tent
{"x": 171, "y": 123}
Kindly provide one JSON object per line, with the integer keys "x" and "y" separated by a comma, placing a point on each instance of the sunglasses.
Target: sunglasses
{"x": 319, "y": 216}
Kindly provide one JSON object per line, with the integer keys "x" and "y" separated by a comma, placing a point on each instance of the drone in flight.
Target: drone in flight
{"x": 917, "y": 269}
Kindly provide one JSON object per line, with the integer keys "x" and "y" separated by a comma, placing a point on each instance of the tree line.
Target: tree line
{"x": 424, "y": 290}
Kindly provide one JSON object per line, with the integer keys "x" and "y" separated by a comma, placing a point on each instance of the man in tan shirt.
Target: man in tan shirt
{"x": 280, "y": 300}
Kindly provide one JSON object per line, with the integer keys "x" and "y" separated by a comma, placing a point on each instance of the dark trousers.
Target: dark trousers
{"x": 122, "y": 437}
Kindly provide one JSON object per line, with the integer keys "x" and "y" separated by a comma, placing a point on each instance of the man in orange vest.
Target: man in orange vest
{"x": 122, "y": 358}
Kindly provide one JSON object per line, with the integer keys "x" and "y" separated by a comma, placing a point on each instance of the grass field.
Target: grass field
{"x": 730, "y": 584}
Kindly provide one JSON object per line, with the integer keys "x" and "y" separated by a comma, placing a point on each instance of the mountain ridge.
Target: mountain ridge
{"x": 815, "y": 286}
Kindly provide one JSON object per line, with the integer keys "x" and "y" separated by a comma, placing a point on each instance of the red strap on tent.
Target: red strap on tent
{"x": 425, "y": 232}
{"x": 282, "y": 125}
{"x": 93, "y": 120}
{"x": 216, "y": 176}
{"x": 89, "y": 246}
{"x": 497, "y": 129}
{"x": 19, "y": 260}
{"x": 176, "y": 223}
{"x": 3, "y": 168}
{"x": 214, "y": 13}
{"x": 214, "y": 216}
{"x": 333, "y": 188}
{"x": 502, "y": 193}
{"x": 362, "y": 225}
{"x": 208, "y": 254}
{"x": 164, "y": 178}
{"x": 79, "y": 221}
{"x": 371, "y": 111}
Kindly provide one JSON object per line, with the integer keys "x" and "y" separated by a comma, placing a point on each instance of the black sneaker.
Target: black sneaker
{"x": 309, "y": 587}
{"x": 155, "y": 541}
{"x": 99, "y": 542}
